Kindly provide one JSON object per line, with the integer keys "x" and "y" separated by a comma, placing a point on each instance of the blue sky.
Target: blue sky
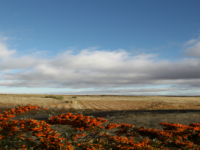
{"x": 100, "y": 47}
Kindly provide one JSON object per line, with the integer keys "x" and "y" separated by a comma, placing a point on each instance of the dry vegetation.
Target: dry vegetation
{"x": 105, "y": 102}
{"x": 99, "y": 102}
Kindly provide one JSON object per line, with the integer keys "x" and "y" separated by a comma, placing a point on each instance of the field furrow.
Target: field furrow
{"x": 86, "y": 105}
{"x": 101, "y": 102}
{"x": 104, "y": 106}
{"x": 92, "y": 106}
{"x": 99, "y": 105}
{"x": 112, "y": 105}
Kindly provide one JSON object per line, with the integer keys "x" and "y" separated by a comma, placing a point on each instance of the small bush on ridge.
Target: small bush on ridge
{"x": 56, "y": 97}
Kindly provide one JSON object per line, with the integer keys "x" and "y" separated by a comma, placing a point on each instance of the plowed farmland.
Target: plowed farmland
{"x": 98, "y": 102}
{"x": 130, "y": 105}
{"x": 113, "y": 105}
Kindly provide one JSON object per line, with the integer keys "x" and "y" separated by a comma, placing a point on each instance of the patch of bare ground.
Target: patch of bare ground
{"x": 103, "y": 103}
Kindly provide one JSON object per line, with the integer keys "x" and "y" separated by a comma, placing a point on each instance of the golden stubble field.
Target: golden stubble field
{"x": 101, "y": 102}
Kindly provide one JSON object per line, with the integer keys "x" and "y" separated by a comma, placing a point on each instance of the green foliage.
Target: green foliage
{"x": 74, "y": 96}
{"x": 55, "y": 97}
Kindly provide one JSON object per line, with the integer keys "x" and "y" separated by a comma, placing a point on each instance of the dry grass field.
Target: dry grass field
{"x": 100, "y": 102}
{"x": 65, "y": 103}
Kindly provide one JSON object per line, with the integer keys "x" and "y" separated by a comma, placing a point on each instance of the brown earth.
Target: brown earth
{"x": 149, "y": 117}
{"x": 146, "y": 112}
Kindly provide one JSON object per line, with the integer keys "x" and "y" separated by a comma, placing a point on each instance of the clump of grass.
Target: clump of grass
{"x": 56, "y": 97}
{"x": 74, "y": 96}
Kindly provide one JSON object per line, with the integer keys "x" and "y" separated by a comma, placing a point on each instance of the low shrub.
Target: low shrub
{"x": 56, "y": 97}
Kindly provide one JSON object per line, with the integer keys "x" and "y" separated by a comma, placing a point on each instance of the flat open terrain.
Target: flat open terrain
{"x": 101, "y": 102}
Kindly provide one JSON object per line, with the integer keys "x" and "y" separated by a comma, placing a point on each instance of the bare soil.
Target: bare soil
{"x": 147, "y": 119}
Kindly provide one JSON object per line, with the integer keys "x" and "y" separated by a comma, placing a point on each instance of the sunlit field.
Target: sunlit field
{"x": 82, "y": 104}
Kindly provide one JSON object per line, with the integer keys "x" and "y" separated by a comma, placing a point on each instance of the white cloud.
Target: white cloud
{"x": 104, "y": 69}
{"x": 194, "y": 50}
{"x": 4, "y": 52}
{"x": 192, "y": 41}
